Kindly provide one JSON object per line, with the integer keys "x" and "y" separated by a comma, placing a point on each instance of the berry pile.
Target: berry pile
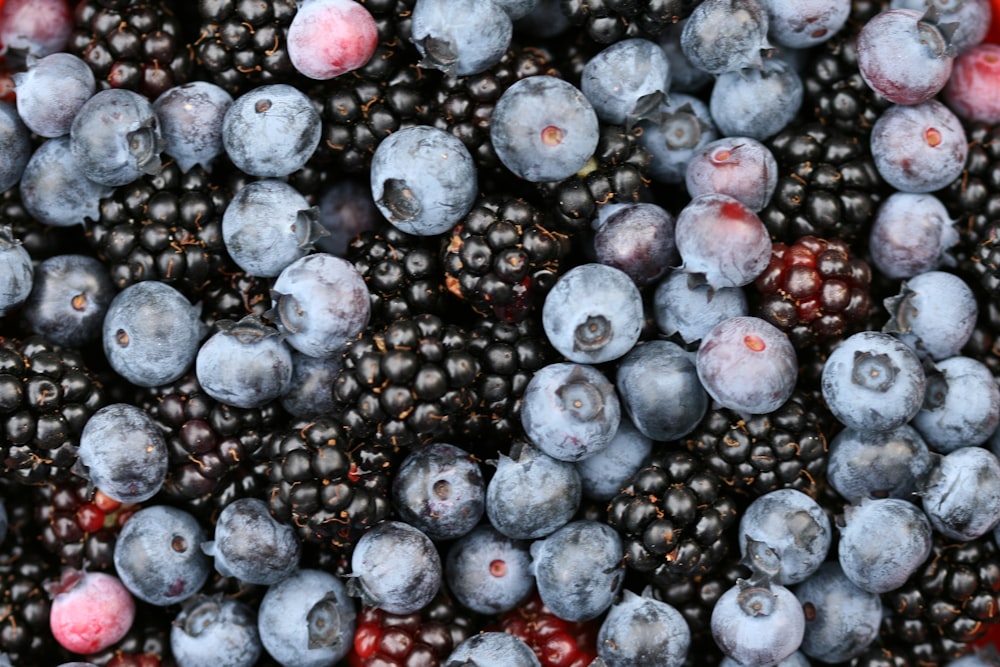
{"x": 528, "y": 333}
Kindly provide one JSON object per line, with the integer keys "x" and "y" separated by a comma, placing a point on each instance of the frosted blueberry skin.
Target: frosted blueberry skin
{"x": 423, "y": 180}
{"x": 962, "y": 494}
{"x": 961, "y": 406}
{"x": 115, "y": 137}
{"x": 496, "y": 649}
{"x": 903, "y": 543}
{"x": 878, "y": 464}
{"x": 605, "y": 473}
{"x": 690, "y": 309}
{"x": 841, "y": 619}
{"x": 639, "y": 240}
{"x": 346, "y": 209}
{"x": 723, "y": 36}
{"x": 911, "y": 234}
{"x": 740, "y": 167}
{"x": 626, "y": 81}
{"x": 245, "y": 364}
{"x": 684, "y": 76}
{"x": 934, "y": 314}
{"x": 51, "y": 91}
{"x": 123, "y": 453}
{"x": 970, "y": 19}
{"x": 570, "y": 411}
{"x": 16, "y": 272}
{"x": 747, "y": 365}
{"x": 250, "y": 545}
{"x": 684, "y": 125}
{"x": 873, "y": 382}
{"x": 440, "y": 490}
{"x": 797, "y": 659}
{"x": 579, "y": 569}
{"x": 758, "y": 626}
{"x": 215, "y": 631}
{"x": 308, "y": 395}
{"x": 593, "y": 314}
{"x": 191, "y": 122}
{"x": 151, "y": 333}
{"x": 757, "y": 103}
{"x": 800, "y": 24}
{"x": 794, "y": 526}
{"x": 640, "y": 630}
{"x": 271, "y": 131}
{"x": 69, "y": 298}
{"x": 531, "y": 494}
{"x": 15, "y": 145}
{"x": 489, "y": 572}
{"x": 158, "y": 555}
{"x": 307, "y": 620}
{"x": 544, "y": 129}
{"x": 920, "y": 147}
{"x": 460, "y": 37}
{"x": 658, "y": 384}
{"x": 54, "y": 189}
{"x": 320, "y": 302}
{"x": 396, "y": 568}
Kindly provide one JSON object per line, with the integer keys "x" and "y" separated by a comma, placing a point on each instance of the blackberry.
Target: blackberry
{"x": 232, "y": 294}
{"x": 47, "y": 394}
{"x": 555, "y": 642}
{"x": 403, "y": 273}
{"x": 887, "y": 651}
{"x": 503, "y": 258}
{"x": 138, "y": 46}
{"x": 828, "y": 185}
{"x": 330, "y": 487}
{"x": 607, "y": 21}
{"x": 243, "y": 43}
{"x": 215, "y": 449}
{"x": 753, "y": 456}
{"x": 673, "y": 516}
{"x": 409, "y": 383}
{"x": 41, "y": 241}
{"x": 814, "y": 289}
{"x": 146, "y": 644}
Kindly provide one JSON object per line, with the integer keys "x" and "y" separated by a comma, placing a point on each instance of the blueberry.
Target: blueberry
{"x": 308, "y": 395}
{"x": 747, "y": 365}
{"x": 51, "y": 91}
{"x": 962, "y": 494}
{"x": 961, "y": 405}
{"x": 215, "y": 632}
{"x": 54, "y": 189}
{"x": 579, "y": 569}
{"x": 920, "y": 147}
{"x": 115, "y": 137}
{"x": 346, "y": 209}
{"x": 151, "y": 333}
{"x": 690, "y": 309}
{"x": 757, "y": 103}
{"x": 570, "y": 411}
{"x": 640, "y": 630}
{"x": 496, "y": 649}
{"x": 271, "y": 131}
{"x": 725, "y": 35}
{"x": 531, "y": 494}
{"x": 967, "y": 22}
{"x": 593, "y": 314}
{"x": 873, "y": 382}
{"x": 158, "y": 555}
{"x": 638, "y": 239}
{"x": 626, "y": 81}
{"x": 934, "y": 313}
{"x": 15, "y": 145}
{"x": 684, "y": 76}
{"x": 16, "y": 272}
{"x": 489, "y": 572}
{"x": 123, "y": 453}
{"x": 683, "y": 126}
{"x": 190, "y": 118}
{"x": 396, "y": 568}
{"x": 250, "y": 545}
{"x": 320, "y": 302}
{"x": 741, "y": 167}
{"x": 440, "y": 490}
{"x": 911, "y": 234}
{"x": 842, "y": 620}
{"x": 69, "y": 299}
{"x": 607, "y": 472}
{"x": 794, "y": 526}
{"x": 800, "y": 24}
{"x": 544, "y": 129}
{"x": 460, "y": 37}
{"x": 307, "y": 620}
{"x": 878, "y": 464}
{"x": 758, "y": 625}
{"x": 659, "y": 387}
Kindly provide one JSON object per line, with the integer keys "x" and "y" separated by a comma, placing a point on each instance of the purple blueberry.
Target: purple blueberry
{"x": 911, "y": 234}
{"x": 961, "y": 405}
{"x": 920, "y": 147}
{"x": 69, "y": 299}
{"x": 758, "y": 102}
{"x": 740, "y": 167}
{"x": 639, "y": 240}
{"x": 878, "y": 464}
{"x": 684, "y": 125}
{"x": 726, "y": 35}
{"x": 54, "y": 189}
{"x": 841, "y": 619}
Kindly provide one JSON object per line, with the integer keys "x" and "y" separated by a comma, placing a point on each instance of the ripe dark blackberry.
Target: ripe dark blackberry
{"x": 814, "y": 289}
{"x": 146, "y": 644}
{"x": 503, "y": 257}
{"x": 166, "y": 226}
{"x": 139, "y": 46}
{"x": 618, "y": 173}
{"x": 243, "y": 43}
{"x": 232, "y": 294}
{"x": 403, "y": 273}
{"x": 409, "y": 383}
{"x": 331, "y": 487}
{"x": 887, "y": 651}
{"x": 673, "y": 516}
{"x": 47, "y": 394}
{"x": 828, "y": 185}
{"x": 607, "y": 21}
{"x": 41, "y": 241}
{"x": 556, "y": 643}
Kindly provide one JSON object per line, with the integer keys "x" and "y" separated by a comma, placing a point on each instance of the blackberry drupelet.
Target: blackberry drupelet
{"x": 556, "y": 643}
{"x": 673, "y": 516}
{"x": 232, "y": 294}
{"x": 138, "y": 46}
{"x": 41, "y": 241}
{"x": 607, "y": 21}
{"x": 330, "y": 487}
{"x": 828, "y": 185}
{"x": 47, "y": 394}
{"x": 409, "y": 383}
{"x": 503, "y": 258}
{"x": 403, "y": 273}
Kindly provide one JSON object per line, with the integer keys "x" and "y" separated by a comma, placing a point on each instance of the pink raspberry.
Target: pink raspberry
{"x": 973, "y": 91}
{"x": 328, "y": 38}
{"x": 90, "y": 610}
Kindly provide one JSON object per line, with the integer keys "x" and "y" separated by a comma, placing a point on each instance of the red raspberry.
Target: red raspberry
{"x": 556, "y": 643}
